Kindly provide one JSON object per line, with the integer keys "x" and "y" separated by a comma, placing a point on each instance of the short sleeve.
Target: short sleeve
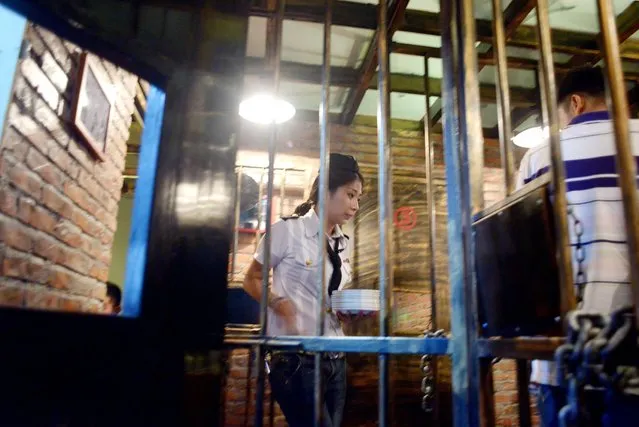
{"x": 524, "y": 170}
{"x": 279, "y": 244}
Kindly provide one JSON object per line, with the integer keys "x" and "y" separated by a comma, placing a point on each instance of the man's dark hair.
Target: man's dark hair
{"x": 586, "y": 80}
{"x": 113, "y": 291}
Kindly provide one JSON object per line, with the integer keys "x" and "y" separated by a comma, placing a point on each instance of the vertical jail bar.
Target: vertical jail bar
{"x": 259, "y": 392}
{"x": 260, "y": 194}
{"x": 626, "y": 167}
{"x": 471, "y": 132}
{"x": 384, "y": 184}
{"x": 236, "y": 222}
{"x": 503, "y": 96}
{"x": 507, "y": 164}
{"x": 469, "y": 99}
{"x": 432, "y": 226}
{"x": 465, "y": 379}
{"x": 551, "y": 125}
{"x": 325, "y": 145}
{"x": 282, "y": 191}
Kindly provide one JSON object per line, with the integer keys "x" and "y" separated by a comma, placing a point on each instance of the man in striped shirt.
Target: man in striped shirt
{"x": 588, "y": 152}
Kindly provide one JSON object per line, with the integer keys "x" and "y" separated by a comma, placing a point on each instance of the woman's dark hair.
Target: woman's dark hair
{"x": 343, "y": 170}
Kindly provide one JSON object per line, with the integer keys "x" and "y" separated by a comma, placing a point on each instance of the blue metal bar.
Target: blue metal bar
{"x": 13, "y": 26}
{"x": 381, "y": 345}
{"x": 143, "y": 203}
{"x": 460, "y": 252}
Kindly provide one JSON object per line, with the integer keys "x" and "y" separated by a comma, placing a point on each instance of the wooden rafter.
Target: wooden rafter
{"x": 487, "y": 58}
{"x": 627, "y": 25}
{"x": 402, "y": 83}
{"x": 360, "y": 15}
{"x": 397, "y": 9}
{"x": 514, "y": 15}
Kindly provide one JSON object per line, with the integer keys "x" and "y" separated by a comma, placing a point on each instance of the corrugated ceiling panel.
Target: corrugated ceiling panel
{"x": 303, "y": 42}
{"x": 576, "y": 15}
{"x": 518, "y": 52}
{"x": 409, "y": 64}
{"x": 516, "y": 78}
{"x": 418, "y": 39}
{"x": 403, "y": 105}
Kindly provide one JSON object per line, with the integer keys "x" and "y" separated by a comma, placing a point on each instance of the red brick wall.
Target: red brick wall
{"x": 411, "y": 293}
{"x": 58, "y": 205}
{"x": 240, "y": 379}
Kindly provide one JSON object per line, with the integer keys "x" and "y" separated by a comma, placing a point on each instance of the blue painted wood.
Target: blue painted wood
{"x": 13, "y": 26}
{"x": 465, "y": 378}
{"x": 374, "y": 345}
{"x": 143, "y": 202}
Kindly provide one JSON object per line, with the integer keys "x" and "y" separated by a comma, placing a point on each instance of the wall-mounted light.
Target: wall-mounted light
{"x": 529, "y": 138}
{"x": 265, "y": 109}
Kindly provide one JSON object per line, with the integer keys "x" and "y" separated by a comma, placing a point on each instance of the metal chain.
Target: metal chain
{"x": 428, "y": 381}
{"x": 601, "y": 352}
{"x": 580, "y": 255}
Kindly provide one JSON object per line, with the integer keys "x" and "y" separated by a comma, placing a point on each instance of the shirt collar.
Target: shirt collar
{"x": 311, "y": 221}
{"x": 590, "y": 117}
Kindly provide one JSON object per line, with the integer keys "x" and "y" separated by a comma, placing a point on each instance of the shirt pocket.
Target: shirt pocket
{"x": 303, "y": 273}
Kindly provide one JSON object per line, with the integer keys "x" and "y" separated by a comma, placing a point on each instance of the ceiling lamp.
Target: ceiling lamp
{"x": 265, "y": 109}
{"x": 530, "y": 137}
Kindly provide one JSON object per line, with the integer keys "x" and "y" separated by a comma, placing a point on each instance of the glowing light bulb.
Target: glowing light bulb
{"x": 266, "y": 109}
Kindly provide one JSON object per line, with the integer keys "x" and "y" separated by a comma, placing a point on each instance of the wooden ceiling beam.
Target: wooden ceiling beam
{"x": 489, "y": 59}
{"x": 358, "y": 15}
{"x": 396, "y": 13}
{"x": 627, "y": 25}
{"x": 414, "y": 84}
{"x": 402, "y": 83}
{"x": 514, "y": 15}
{"x": 312, "y": 116}
{"x": 300, "y": 72}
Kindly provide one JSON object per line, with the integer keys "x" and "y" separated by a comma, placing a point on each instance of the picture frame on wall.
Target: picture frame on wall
{"x": 92, "y": 108}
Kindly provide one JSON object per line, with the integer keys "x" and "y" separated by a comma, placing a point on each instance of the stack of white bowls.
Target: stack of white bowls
{"x": 355, "y": 301}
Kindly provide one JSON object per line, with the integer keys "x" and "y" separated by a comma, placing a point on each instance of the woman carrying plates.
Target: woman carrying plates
{"x": 293, "y": 295}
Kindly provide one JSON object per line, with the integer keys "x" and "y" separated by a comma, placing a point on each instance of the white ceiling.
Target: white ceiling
{"x": 302, "y": 42}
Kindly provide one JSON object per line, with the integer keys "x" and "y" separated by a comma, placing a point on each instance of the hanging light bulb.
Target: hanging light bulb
{"x": 530, "y": 137}
{"x": 266, "y": 109}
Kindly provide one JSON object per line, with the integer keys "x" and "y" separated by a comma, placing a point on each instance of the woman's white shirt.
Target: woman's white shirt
{"x": 295, "y": 256}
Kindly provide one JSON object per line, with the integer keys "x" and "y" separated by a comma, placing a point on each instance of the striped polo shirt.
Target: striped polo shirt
{"x": 593, "y": 194}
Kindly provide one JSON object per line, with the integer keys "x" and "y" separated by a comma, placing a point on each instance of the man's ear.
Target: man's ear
{"x": 577, "y": 104}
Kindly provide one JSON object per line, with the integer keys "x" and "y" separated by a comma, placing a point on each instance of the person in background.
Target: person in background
{"x": 593, "y": 195}
{"x": 293, "y": 296}
{"x": 113, "y": 299}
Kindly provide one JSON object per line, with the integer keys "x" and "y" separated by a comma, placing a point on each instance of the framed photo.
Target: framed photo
{"x": 91, "y": 108}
